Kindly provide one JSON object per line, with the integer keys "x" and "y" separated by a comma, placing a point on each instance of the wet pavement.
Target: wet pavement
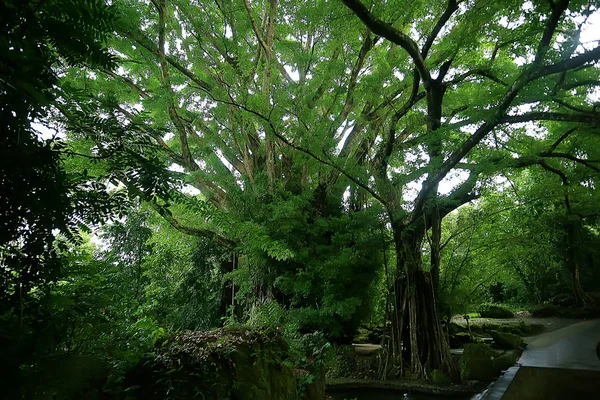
{"x": 562, "y": 364}
{"x": 571, "y": 347}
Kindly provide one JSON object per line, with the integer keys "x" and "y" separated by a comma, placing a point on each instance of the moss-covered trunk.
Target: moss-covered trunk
{"x": 417, "y": 339}
{"x": 573, "y": 227}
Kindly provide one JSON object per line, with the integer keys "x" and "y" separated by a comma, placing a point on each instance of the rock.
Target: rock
{"x": 440, "y": 378}
{"x": 481, "y": 363}
{"x": 494, "y": 311}
{"x": 507, "y": 360}
{"x": 505, "y": 340}
{"x": 477, "y": 363}
{"x": 545, "y": 311}
{"x": 258, "y": 377}
{"x": 563, "y": 300}
{"x": 316, "y": 390}
{"x": 522, "y": 314}
{"x": 460, "y": 339}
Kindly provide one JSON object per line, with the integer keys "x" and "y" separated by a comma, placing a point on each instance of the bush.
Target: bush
{"x": 240, "y": 363}
{"x": 494, "y": 311}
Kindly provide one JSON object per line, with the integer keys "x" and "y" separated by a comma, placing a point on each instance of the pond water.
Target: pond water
{"x": 386, "y": 394}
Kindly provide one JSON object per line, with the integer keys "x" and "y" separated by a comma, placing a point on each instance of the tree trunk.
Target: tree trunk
{"x": 227, "y": 302}
{"x": 581, "y": 297}
{"x": 416, "y": 328}
{"x": 573, "y": 229}
{"x": 435, "y": 240}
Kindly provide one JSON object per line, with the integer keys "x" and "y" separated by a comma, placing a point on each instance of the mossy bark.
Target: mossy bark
{"x": 416, "y": 327}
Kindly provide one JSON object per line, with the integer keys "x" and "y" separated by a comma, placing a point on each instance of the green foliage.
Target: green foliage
{"x": 38, "y": 40}
{"x": 269, "y": 315}
{"x": 512, "y": 246}
{"x": 327, "y": 283}
{"x": 239, "y": 363}
{"x": 277, "y": 149}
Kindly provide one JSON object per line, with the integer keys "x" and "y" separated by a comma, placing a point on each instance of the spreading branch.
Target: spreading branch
{"x": 392, "y": 34}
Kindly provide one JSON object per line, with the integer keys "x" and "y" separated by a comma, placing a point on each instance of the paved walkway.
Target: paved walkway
{"x": 572, "y": 347}
{"x": 562, "y": 364}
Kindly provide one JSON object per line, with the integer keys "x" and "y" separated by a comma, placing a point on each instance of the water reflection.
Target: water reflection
{"x": 383, "y": 394}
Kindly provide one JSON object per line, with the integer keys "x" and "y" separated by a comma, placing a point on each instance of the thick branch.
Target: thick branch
{"x": 189, "y": 230}
{"x": 571, "y": 63}
{"x": 310, "y": 153}
{"x": 561, "y": 139}
{"x": 127, "y": 81}
{"x": 558, "y": 8}
{"x": 586, "y": 163}
{"x": 367, "y": 45}
{"x": 478, "y": 71}
{"x": 592, "y": 119}
{"x": 392, "y": 34}
{"x": 450, "y": 9}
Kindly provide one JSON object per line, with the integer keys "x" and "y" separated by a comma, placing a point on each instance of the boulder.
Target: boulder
{"x": 477, "y": 363}
{"x": 440, "y": 378}
{"x": 507, "y": 360}
{"x": 316, "y": 389}
{"x": 545, "y": 311}
{"x": 495, "y": 311}
{"x": 505, "y": 340}
{"x": 459, "y": 339}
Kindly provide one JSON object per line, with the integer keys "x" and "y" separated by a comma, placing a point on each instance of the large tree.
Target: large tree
{"x": 193, "y": 105}
{"x": 316, "y": 105}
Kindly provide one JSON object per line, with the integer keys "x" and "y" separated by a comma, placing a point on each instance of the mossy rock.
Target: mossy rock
{"x": 520, "y": 328}
{"x": 495, "y": 311}
{"x": 459, "y": 339}
{"x": 508, "y": 341}
{"x": 440, "y": 378}
{"x": 316, "y": 389}
{"x": 545, "y": 311}
{"x": 507, "y": 360}
{"x": 563, "y": 300}
{"x": 477, "y": 363}
{"x": 453, "y": 328}
{"x": 592, "y": 311}
{"x": 260, "y": 373}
